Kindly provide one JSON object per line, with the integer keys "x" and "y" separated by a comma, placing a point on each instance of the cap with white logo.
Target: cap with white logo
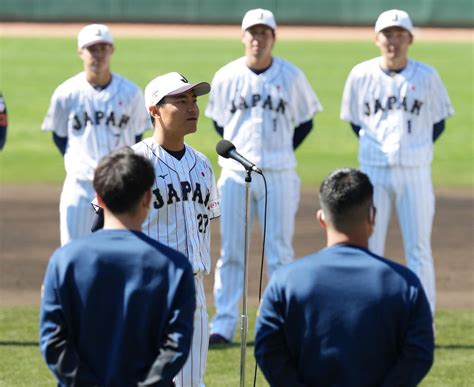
{"x": 92, "y": 34}
{"x": 258, "y": 16}
{"x": 171, "y": 84}
{"x": 394, "y": 18}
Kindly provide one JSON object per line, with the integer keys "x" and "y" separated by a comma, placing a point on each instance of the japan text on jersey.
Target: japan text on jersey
{"x": 260, "y": 112}
{"x": 396, "y": 112}
{"x": 95, "y": 122}
{"x": 184, "y": 201}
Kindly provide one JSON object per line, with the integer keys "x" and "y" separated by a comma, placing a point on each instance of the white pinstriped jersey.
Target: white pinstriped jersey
{"x": 260, "y": 112}
{"x": 185, "y": 200}
{"x": 95, "y": 121}
{"x": 396, "y": 112}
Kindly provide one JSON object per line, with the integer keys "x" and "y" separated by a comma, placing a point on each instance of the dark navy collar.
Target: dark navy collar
{"x": 258, "y": 72}
{"x": 392, "y": 72}
{"x": 176, "y": 154}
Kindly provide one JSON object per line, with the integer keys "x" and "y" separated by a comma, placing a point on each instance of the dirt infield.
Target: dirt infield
{"x": 29, "y": 233}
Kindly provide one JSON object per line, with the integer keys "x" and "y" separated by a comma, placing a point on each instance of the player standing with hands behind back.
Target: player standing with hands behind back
{"x": 397, "y": 107}
{"x": 265, "y": 106}
{"x": 344, "y": 316}
{"x": 117, "y": 307}
{"x": 91, "y": 114}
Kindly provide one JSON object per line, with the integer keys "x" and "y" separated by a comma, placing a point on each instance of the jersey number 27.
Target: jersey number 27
{"x": 203, "y": 221}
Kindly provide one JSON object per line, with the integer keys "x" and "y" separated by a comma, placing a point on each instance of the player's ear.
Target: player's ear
{"x": 379, "y": 37}
{"x": 372, "y": 213}
{"x": 154, "y": 112}
{"x": 321, "y": 218}
{"x": 100, "y": 201}
{"x": 147, "y": 198}
{"x": 371, "y": 220}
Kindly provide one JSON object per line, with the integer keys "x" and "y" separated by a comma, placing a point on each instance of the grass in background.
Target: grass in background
{"x": 20, "y": 359}
{"x": 31, "y": 68}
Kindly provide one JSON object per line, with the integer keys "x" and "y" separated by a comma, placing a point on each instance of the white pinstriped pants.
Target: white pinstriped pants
{"x": 75, "y": 211}
{"x": 192, "y": 374}
{"x": 410, "y": 190}
{"x": 283, "y": 201}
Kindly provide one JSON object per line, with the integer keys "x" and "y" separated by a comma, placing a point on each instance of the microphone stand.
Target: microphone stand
{"x": 244, "y": 315}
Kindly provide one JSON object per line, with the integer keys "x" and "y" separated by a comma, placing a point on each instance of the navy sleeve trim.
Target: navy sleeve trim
{"x": 438, "y": 128}
{"x": 355, "y": 129}
{"x": 219, "y": 129}
{"x": 61, "y": 143}
{"x": 98, "y": 223}
{"x": 301, "y": 132}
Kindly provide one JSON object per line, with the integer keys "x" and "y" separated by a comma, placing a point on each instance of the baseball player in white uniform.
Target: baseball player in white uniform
{"x": 185, "y": 196}
{"x": 398, "y": 106}
{"x": 265, "y": 106}
{"x": 91, "y": 114}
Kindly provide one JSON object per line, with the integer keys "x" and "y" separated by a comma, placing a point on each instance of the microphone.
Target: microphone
{"x": 227, "y": 150}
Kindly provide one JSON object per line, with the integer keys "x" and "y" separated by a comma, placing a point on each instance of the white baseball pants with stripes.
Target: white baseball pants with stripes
{"x": 283, "y": 201}
{"x": 192, "y": 374}
{"x": 410, "y": 191}
{"x": 76, "y": 214}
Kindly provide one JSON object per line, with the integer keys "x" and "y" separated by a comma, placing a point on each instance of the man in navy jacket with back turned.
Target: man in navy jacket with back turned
{"x": 118, "y": 306}
{"x": 345, "y": 316}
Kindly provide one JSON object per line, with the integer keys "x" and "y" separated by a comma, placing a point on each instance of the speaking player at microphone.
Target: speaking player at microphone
{"x": 265, "y": 106}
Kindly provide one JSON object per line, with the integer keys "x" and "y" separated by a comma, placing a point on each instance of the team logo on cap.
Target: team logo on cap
{"x": 98, "y": 32}
{"x": 183, "y": 79}
{"x": 395, "y": 17}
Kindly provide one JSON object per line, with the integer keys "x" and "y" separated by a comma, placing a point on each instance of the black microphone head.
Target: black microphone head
{"x": 223, "y": 148}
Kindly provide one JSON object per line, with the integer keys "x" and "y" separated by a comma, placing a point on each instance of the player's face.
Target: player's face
{"x": 96, "y": 58}
{"x": 179, "y": 113}
{"x": 258, "y": 41}
{"x": 393, "y": 43}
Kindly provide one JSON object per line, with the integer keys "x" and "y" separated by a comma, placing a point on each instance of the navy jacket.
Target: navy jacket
{"x": 344, "y": 317}
{"x": 117, "y": 310}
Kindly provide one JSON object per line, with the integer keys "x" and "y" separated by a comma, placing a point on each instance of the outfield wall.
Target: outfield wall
{"x": 443, "y": 13}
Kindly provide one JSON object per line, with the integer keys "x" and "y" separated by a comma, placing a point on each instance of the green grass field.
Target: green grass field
{"x": 21, "y": 361}
{"x": 31, "y": 68}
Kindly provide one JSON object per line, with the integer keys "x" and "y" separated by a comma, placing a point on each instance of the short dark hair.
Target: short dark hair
{"x": 122, "y": 178}
{"x": 345, "y": 195}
